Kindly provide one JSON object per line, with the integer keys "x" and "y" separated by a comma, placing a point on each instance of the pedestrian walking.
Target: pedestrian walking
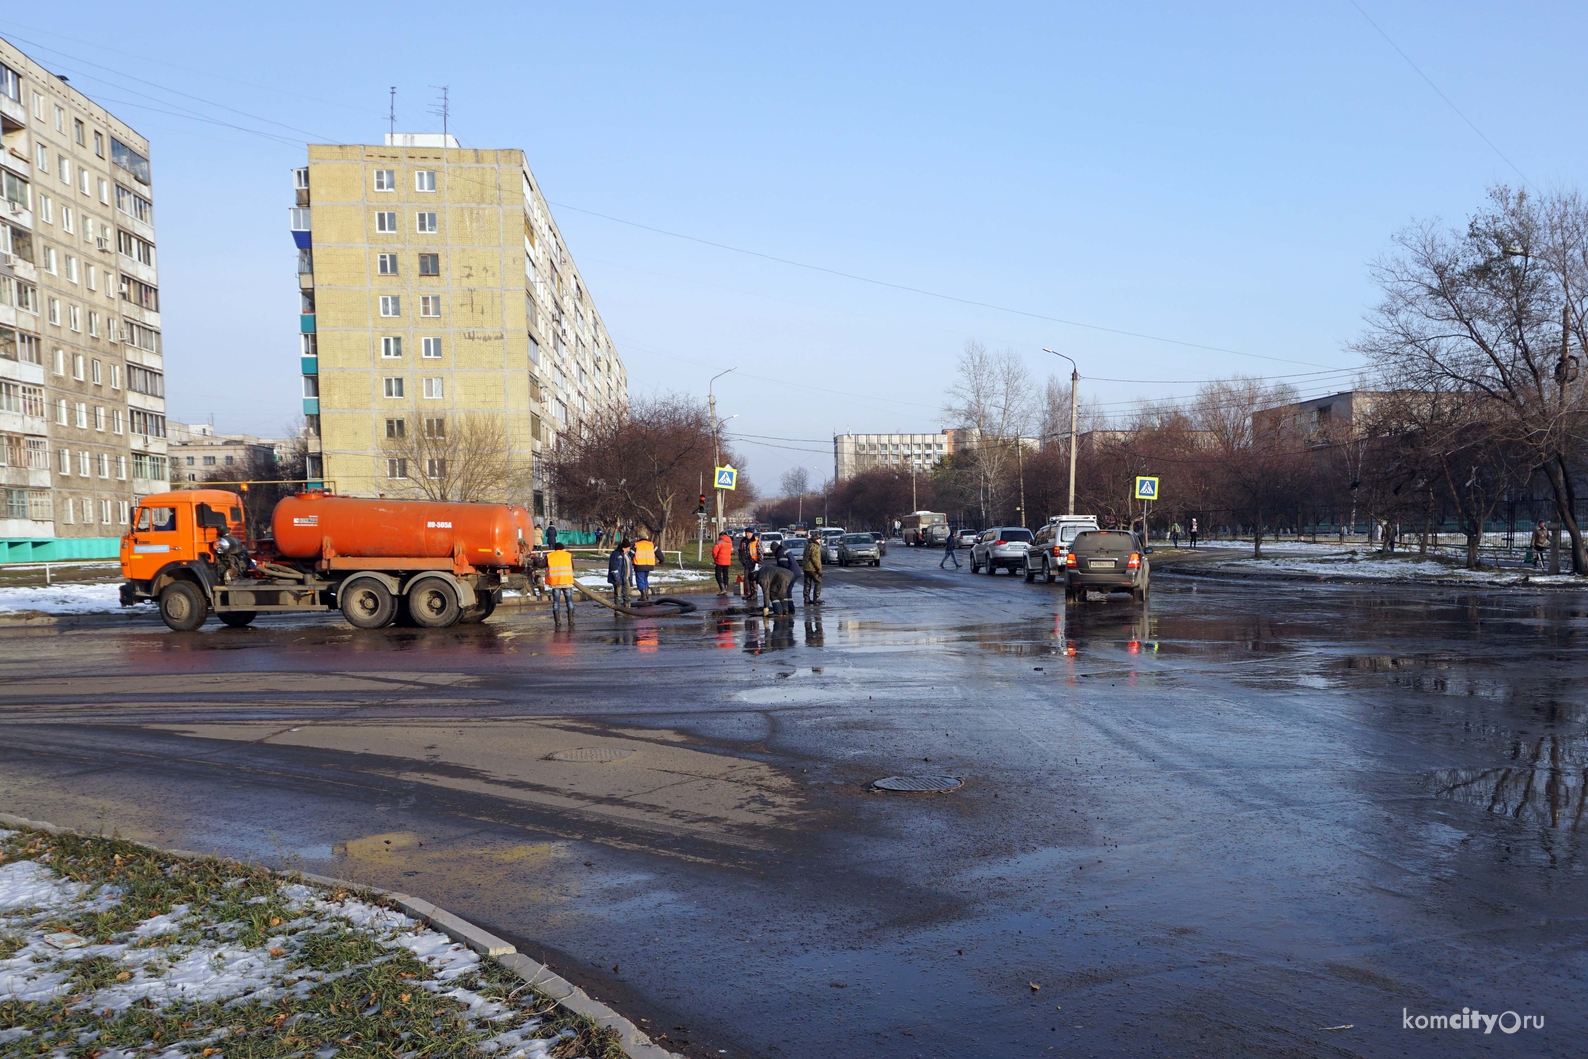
{"x": 559, "y": 578}
{"x": 1540, "y": 542}
{"x": 540, "y": 537}
{"x": 1193, "y": 534}
{"x": 949, "y": 553}
{"x": 644, "y": 558}
{"x": 1174, "y": 534}
{"x": 811, "y": 565}
{"x": 551, "y": 535}
{"x": 722, "y": 559}
{"x": 618, "y": 573}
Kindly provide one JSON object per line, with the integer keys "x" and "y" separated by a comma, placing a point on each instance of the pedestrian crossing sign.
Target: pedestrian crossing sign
{"x": 727, "y": 477}
{"x": 1146, "y": 488}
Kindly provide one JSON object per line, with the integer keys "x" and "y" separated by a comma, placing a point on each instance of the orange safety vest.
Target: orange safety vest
{"x": 559, "y": 569}
{"x": 755, "y": 549}
{"x": 644, "y": 553}
{"x": 722, "y": 553}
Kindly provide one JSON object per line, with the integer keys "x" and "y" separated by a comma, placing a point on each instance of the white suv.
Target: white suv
{"x": 1045, "y": 557}
{"x": 1003, "y": 546}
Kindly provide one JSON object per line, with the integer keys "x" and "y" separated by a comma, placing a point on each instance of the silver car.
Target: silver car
{"x": 858, "y": 548}
{"x": 1001, "y": 546}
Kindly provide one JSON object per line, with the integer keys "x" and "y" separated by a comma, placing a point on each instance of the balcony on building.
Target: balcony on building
{"x": 300, "y": 227}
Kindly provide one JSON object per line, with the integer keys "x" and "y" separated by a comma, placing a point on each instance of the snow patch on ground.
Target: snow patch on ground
{"x": 1371, "y": 566}
{"x": 65, "y": 598}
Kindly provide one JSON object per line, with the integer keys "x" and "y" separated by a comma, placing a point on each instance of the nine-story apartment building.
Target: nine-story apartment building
{"x": 82, "y": 385}
{"x": 435, "y": 288}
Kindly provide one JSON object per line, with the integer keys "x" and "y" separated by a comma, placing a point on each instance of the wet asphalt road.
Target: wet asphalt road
{"x": 1216, "y": 828}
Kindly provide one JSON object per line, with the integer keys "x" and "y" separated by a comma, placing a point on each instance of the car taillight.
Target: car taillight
{"x": 1058, "y": 550}
{"x": 1135, "y": 561}
{"x": 1000, "y": 543}
{"x": 1069, "y": 560}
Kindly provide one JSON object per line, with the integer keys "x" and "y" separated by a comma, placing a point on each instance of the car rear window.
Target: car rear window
{"x": 858, "y": 538}
{"x": 1014, "y": 535}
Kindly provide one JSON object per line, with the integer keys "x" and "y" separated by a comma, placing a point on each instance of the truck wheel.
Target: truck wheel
{"x": 480, "y": 611}
{"x": 367, "y": 604}
{"x": 182, "y": 606}
{"x": 433, "y": 603}
{"x": 237, "y": 618}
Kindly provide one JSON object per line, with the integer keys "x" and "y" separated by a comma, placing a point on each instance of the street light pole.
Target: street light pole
{"x": 1075, "y": 379}
{"x": 716, "y": 449}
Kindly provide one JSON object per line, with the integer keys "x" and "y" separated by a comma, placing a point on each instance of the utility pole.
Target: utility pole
{"x": 716, "y": 449}
{"x": 1075, "y": 380}
{"x": 1020, "y": 462}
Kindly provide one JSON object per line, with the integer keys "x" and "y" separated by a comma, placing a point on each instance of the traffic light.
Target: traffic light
{"x": 701, "y": 510}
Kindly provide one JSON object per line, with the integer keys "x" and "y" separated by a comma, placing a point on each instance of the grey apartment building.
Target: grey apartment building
{"x": 82, "y": 383}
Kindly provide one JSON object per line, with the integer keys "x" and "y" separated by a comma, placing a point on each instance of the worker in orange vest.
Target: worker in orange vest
{"x": 559, "y": 578}
{"x": 644, "y": 563}
{"x": 722, "y": 559}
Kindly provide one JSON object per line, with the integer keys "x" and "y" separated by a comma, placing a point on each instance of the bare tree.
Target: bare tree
{"x": 993, "y": 398}
{"x": 1490, "y": 313}
{"x": 1258, "y": 472}
{"x": 467, "y": 457}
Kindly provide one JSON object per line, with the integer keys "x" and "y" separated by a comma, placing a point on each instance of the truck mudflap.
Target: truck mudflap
{"x": 129, "y": 593}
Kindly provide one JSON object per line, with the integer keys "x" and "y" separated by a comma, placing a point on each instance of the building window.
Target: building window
{"x": 74, "y": 318}
{"x": 393, "y": 385}
{"x": 71, "y": 269}
{"x": 391, "y": 347}
{"x": 122, "y": 505}
{"x": 385, "y": 180}
{"x": 116, "y": 422}
{"x": 77, "y": 366}
{"x": 425, "y": 180}
{"x": 209, "y": 461}
{"x": 93, "y": 332}
{"x": 396, "y": 429}
{"x": 10, "y": 84}
{"x": 430, "y": 305}
{"x": 435, "y": 426}
{"x": 62, "y": 413}
{"x": 430, "y": 264}
{"x": 115, "y": 376}
{"x": 430, "y": 348}
{"x": 311, "y": 386}
{"x": 50, "y": 264}
{"x": 139, "y": 207}
{"x": 391, "y": 305}
{"x": 67, "y": 220}
{"x": 82, "y": 463}
{"x": 435, "y": 389}
{"x": 386, "y": 221}
{"x": 41, "y": 158}
{"x": 425, "y": 222}
{"x": 102, "y": 465}
{"x": 99, "y": 151}
{"x": 54, "y": 315}
{"x": 121, "y": 473}
{"x": 396, "y": 467}
{"x": 82, "y": 415}
{"x": 65, "y": 460}
{"x": 435, "y": 467}
{"x": 386, "y": 264}
{"x": 309, "y": 345}
{"x": 99, "y": 418}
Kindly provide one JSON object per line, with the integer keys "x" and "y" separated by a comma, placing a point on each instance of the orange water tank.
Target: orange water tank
{"x": 490, "y": 534}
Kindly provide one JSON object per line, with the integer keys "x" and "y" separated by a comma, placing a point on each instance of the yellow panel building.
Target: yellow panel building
{"x": 447, "y": 337}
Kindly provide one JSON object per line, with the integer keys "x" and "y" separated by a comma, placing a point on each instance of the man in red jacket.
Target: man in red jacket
{"x": 722, "y": 559}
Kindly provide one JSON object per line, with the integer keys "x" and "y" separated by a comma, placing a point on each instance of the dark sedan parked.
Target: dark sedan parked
{"x": 1106, "y": 561}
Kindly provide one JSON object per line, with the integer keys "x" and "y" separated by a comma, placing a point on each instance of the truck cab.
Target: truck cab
{"x": 181, "y": 546}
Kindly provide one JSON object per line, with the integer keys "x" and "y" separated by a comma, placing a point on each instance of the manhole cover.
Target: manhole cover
{"x": 591, "y": 753}
{"x": 918, "y": 783}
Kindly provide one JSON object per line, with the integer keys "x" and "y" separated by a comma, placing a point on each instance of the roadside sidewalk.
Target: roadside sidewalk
{"x": 1301, "y": 561}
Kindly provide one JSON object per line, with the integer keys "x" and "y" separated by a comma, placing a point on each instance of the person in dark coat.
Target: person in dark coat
{"x": 775, "y": 583}
{"x": 749, "y": 556}
{"x": 551, "y": 535}
{"x": 618, "y": 573}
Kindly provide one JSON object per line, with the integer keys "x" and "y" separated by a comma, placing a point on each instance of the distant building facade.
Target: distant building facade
{"x": 1320, "y": 421}
{"x": 82, "y": 383}
{"x": 197, "y": 453}
{"x": 857, "y": 453}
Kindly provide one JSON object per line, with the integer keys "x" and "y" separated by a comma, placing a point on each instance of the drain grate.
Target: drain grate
{"x": 596, "y": 754}
{"x": 918, "y": 783}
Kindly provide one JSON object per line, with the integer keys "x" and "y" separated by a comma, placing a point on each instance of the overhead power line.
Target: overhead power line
{"x": 930, "y": 293}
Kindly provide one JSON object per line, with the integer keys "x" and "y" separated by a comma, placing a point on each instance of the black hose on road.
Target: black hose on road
{"x": 683, "y": 606}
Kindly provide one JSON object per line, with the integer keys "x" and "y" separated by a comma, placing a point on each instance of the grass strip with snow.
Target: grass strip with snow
{"x": 111, "y": 950}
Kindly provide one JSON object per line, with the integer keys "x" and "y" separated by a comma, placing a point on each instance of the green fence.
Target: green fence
{"x": 58, "y": 549}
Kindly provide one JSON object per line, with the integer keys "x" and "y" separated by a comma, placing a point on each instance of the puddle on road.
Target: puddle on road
{"x": 1546, "y": 784}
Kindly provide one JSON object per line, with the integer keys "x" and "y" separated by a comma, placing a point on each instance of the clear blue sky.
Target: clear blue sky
{"x": 1216, "y": 173}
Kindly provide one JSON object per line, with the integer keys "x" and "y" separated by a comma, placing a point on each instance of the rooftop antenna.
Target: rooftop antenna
{"x": 445, "y": 109}
{"x": 393, "y": 115}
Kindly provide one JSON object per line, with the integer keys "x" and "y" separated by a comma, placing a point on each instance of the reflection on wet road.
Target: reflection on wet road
{"x": 1221, "y": 826}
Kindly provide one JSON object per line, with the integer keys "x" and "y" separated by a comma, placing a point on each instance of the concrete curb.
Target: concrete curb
{"x": 636, "y": 1044}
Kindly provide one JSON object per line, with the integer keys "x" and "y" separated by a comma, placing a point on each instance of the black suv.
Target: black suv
{"x": 1107, "y": 561}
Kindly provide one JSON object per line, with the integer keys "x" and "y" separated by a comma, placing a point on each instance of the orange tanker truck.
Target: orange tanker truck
{"x": 430, "y": 563}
